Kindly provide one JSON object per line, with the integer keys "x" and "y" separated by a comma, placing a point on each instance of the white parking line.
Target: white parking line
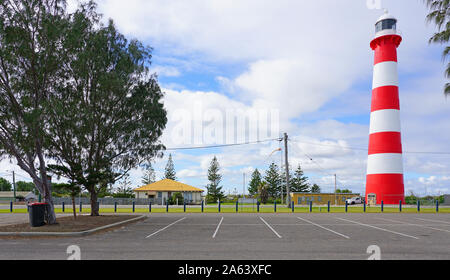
{"x": 156, "y": 232}
{"x": 217, "y": 229}
{"x": 279, "y": 236}
{"x": 404, "y": 223}
{"x": 383, "y": 229}
{"x": 340, "y": 234}
{"x": 428, "y": 220}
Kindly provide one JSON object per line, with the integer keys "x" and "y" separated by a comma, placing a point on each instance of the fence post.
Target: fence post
{"x": 115, "y": 206}
{"x": 329, "y": 203}
{"x": 63, "y": 206}
{"x": 310, "y": 206}
{"x": 98, "y": 206}
{"x": 203, "y": 203}
{"x": 134, "y": 206}
{"x": 292, "y": 206}
{"x": 400, "y": 206}
{"x": 149, "y": 207}
{"x": 257, "y": 206}
{"x": 11, "y": 206}
{"x": 167, "y": 206}
{"x": 219, "y": 206}
{"x": 184, "y": 206}
{"x": 418, "y": 205}
{"x": 382, "y": 206}
{"x": 81, "y": 206}
{"x": 237, "y": 206}
{"x": 365, "y": 205}
{"x": 275, "y": 207}
{"x": 437, "y": 206}
{"x": 346, "y": 206}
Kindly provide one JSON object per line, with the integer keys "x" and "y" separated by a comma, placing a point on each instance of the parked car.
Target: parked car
{"x": 355, "y": 200}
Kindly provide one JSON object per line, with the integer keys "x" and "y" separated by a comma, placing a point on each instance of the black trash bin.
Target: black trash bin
{"x": 37, "y": 214}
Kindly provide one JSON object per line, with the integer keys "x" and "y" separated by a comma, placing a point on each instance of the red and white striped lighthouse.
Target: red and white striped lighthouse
{"x": 385, "y": 162}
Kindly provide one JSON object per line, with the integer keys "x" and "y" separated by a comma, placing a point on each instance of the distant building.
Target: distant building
{"x": 321, "y": 198}
{"x": 9, "y": 196}
{"x": 160, "y": 191}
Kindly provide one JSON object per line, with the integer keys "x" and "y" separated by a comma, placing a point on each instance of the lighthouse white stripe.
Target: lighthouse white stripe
{"x": 385, "y": 121}
{"x": 385, "y": 74}
{"x": 385, "y": 164}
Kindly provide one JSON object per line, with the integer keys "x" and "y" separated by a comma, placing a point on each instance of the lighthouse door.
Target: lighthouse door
{"x": 371, "y": 199}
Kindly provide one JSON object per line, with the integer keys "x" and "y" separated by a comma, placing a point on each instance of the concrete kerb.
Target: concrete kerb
{"x": 68, "y": 234}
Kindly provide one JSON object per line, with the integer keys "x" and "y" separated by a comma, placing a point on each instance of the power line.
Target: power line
{"x": 365, "y": 149}
{"x": 222, "y": 146}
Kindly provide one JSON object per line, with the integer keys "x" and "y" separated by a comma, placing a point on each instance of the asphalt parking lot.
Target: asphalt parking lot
{"x": 254, "y": 237}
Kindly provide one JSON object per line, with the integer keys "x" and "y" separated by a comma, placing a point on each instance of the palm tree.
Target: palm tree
{"x": 440, "y": 14}
{"x": 263, "y": 191}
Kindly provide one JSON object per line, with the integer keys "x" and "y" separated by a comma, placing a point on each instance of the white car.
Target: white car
{"x": 354, "y": 200}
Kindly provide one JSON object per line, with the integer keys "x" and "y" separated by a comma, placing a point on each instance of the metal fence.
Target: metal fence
{"x": 108, "y": 201}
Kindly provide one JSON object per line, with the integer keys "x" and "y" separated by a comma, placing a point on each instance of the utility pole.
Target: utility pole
{"x": 335, "y": 193}
{"x": 14, "y": 185}
{"x": 288, "y": 193}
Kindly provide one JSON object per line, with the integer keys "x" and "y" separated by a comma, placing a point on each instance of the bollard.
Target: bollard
{"x": 149, "y": 207}
{"x": 81, "y": 206}
{"x": 134, "y": 205}
{"x": 257, "y": 206}
{"x": 275, "y": 207}
{"x": 63, "y": 206}
{"x": 365, "y": 205}
{"x": 115, "y": 207}
{"x": 382, "y": 206}
{"x": 167, "y": 206}
{"x": 219, "y": 206}
{"x": 292, "y": 207}
{"x": 329, "y": 203}
{"x": 98, "y": 206}
{"x": 11, "y": 206}
{"x": 437, "y": 206}
{"x": 185, "y": 207}
{"x": 310, "y": 207}
{"x": 418, "y": 205}
{"x": 346, "y": 206}
{"x": 203, "y": 202}
{"x": 237, "y": 206}
{"x": 400, "y": 206}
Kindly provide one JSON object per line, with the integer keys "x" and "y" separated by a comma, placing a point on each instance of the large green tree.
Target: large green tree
{"x": 149, "y": 176}
{"x": 299, "y": 182}
{"x": 254, "y": 182}
{"x": 169, "y": 172}
{"x": 273, "y": 180}
{"x": 107, "y": 116}
{"x": 440, "y": 15}
{"x": 5, "y": 185}
{"x": 215, "y": 192}
{"x": 22, "y": 186}
{"x": 32, "y": 35}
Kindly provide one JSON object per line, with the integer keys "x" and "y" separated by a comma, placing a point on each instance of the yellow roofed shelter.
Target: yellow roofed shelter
{"x": 159, "y": 192}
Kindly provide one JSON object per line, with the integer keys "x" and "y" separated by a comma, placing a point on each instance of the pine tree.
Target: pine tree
{"x": 273, "y": 180}
{"x": 299, "y": 182}
{"x": 170, "y": 170}
{"x": 149, "y": 175}
{"x": 214, "y": 191}
{"x": 315, "y": 189}
{"x": 255, "y": 182}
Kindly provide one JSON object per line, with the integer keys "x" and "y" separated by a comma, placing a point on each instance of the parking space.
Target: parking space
{"x": 263, "y": 236}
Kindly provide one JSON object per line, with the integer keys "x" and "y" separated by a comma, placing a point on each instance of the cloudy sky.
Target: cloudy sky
{"x": 300, "y": 67}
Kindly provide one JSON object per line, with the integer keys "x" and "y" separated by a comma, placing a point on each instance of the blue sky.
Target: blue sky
{"x": 310, "y": 61}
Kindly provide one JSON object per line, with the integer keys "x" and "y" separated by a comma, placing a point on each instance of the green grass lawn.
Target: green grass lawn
{"x": 248, "y": 209}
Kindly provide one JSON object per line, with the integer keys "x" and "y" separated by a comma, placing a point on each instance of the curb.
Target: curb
{"x": 67, "y": 234}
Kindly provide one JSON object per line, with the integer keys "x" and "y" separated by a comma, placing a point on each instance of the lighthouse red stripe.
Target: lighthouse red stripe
{"x": 389, "y": 188}
{"x": 385, "y": 98}
{"x": 385, "y": 142}
{"x": 386, "y": 48}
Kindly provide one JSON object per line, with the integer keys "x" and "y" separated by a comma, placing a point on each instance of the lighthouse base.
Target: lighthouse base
{"x": 386, "y": 188}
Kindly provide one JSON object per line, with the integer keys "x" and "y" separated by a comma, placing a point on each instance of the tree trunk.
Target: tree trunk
{"x": 51, "y": 216}
{"x": 73, "y": 207}
{"x": 94, "y": 205}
